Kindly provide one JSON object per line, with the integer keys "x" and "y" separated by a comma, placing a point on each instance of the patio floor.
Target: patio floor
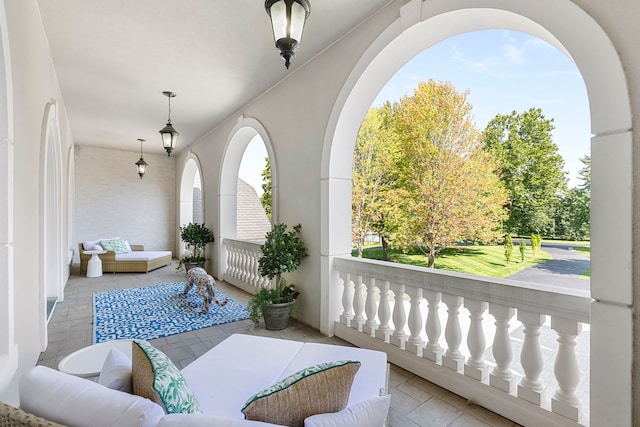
{"x": 414, "y": 401}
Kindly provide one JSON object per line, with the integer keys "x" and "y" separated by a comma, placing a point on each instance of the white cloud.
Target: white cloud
{"x": 513, "y": 53}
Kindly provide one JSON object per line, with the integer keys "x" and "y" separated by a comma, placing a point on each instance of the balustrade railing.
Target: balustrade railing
{"x": 522, "y": 374}
{"x": 242, "y": 264}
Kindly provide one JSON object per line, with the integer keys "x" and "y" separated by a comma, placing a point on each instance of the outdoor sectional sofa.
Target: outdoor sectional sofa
{"x": 242, "y": 375}
{"x": 136, "y": 261}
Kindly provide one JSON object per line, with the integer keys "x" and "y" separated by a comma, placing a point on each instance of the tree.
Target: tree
{"x": 523, "y": 249}
{"x": 508, "y": 248}
{"x": 265, "y": 199}
{"x": 447, "y": 187}
{"x": 372, "y": 177}
{"x": 573, "y": 216}
{"x": 531, "y": 169}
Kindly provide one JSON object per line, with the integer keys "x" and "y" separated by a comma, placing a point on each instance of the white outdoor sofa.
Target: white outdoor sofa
{"x": 222, "y": 380}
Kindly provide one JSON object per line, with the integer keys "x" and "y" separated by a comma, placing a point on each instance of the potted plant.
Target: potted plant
{"x": 196, "y": 237}
{"x": 282, "y": 251}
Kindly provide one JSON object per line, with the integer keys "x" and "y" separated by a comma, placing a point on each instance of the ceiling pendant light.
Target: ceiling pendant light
{"x": 141, "y": 165}
{"x": 287, "y": 21}
{"x": 168, "y": 133}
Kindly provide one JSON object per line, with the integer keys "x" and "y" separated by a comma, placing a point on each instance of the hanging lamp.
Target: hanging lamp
{"x": 141, "y": 165}
{"x": 168, "y": 133}
{"x": 287, "y": 22}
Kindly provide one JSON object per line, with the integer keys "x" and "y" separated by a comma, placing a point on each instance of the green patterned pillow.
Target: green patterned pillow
{"x": 155, "y": 377}
{"x": 315, "y": 390}
{"x": 119, "y": 246}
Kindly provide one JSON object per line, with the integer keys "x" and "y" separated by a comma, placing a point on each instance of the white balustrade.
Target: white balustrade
{"x": 374, "y": 315}
{"x": 242, "y": 264}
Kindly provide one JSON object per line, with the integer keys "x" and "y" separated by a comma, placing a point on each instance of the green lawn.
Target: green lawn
{"x": 480, "y": 260}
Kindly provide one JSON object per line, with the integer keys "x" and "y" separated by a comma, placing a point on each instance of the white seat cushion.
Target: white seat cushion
{"x": 142, "y": 255}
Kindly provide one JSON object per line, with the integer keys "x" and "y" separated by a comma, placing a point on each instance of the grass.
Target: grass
{"x": 480, "y": 260}
{"x": 586, "y": 251}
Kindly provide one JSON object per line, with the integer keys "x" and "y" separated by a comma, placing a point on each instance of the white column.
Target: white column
{"x": 415, "y": 343}
{"x": 565, "y": 401}
{"x": 399, "y": 336}
{"x": 370, "y": 308}
{"x": 433, "y": 350}
{"x": 384, "y": 314}
{"x": 530, "y": 387}
{"x": 347, "y": 299}
{"x": 502, "y": 376}
{"x": 453, "y": 358}
{"x": 476, "y": 367}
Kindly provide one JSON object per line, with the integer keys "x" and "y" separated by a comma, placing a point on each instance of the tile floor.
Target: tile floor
{"x": 414, "y": 401}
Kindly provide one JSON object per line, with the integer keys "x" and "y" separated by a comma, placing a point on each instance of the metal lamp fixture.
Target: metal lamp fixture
{"x": 287, "y": 21}
{"x": 141, "y": 165}
{"x": 168, "y": 133}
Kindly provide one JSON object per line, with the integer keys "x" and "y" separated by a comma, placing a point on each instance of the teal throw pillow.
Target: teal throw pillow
{"x": 119, "y": 246}
{"x": 155, "y": 377}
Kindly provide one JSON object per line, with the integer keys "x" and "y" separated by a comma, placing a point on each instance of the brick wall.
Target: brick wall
{"x": 112, "y": 201}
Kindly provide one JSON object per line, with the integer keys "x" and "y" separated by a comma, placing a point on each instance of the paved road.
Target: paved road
{"x": 563, "y": 270}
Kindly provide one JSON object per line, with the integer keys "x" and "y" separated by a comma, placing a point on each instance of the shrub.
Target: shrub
{"x": 523, "y": 248}
{"x": 508, "y": 248}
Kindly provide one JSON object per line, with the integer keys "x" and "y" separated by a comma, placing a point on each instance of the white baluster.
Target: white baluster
{"x": 565, "y": 401}
{"x": 358, "y": 304}
{"x": 399, "y": 336}
{"x": 231, "y": 254}
{"x": 531, "y": 388}
{"x": 347, "y": 299}
{"x": 415, "y": 343}
{"x": 384, "y": 314}
{"x": 502, "y": 376}
{"x": 453, "y": 358}
{"x": 253, "y": 268}
{"x": 370, "y": 308}
{"x": 433, "y": 350}
{"x": 476, "y": 367}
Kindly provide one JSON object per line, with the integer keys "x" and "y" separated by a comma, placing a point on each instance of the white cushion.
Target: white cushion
{"x": 89, "y": 245}
{"x": 142, "y": 255}
{"x": 116, "y": 371}
{"x": 203, "y": 420}
{"x": 74, "y": 401}
{"x": 370, "y": 413}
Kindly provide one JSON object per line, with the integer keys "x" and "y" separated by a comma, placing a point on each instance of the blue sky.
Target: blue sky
{"x": 503, "y": 71}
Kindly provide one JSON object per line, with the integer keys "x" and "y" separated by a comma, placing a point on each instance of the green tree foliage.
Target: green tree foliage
{"x": 523, "y": 249}
{"x": 265, "y": 199}
{"x": 282, "y": 251}
{"x": 447, "y": 187}
{"x": 536, "y": 244}
{"x": 372, "y": 178}
{"x": 573, "y": 216}
{"x": 531, "y": 169}
{"x": 508, "y": 248}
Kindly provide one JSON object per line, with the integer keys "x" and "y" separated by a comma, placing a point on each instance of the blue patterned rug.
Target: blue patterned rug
{"x": 157, "y": 311}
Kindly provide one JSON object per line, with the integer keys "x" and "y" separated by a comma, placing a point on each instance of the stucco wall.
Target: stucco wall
{"x": 112, "y": 201}
{"x": 34, "y": 86}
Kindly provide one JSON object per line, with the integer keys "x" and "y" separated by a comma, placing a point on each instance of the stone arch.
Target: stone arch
{"x": 240, "y": 136}
{"x": 424, "y": 24}
{"x": 190, "y": 170}
{"x": 8, "y": 347}
{"x": 52, "y": 243}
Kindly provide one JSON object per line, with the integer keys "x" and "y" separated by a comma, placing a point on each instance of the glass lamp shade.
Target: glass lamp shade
{"x": 141, "y": 165}
{"x": 287, "y": 22}
{"x": 169, "y": 138}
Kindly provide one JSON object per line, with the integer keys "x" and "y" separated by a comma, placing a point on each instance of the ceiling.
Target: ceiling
{"x": 114, "y": 58}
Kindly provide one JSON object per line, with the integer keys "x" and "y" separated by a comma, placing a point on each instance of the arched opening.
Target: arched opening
{"x": 253, "y": 218}
{"x": 191, "y": 196}
{"x": 8, "y": 347}
{"x": 421, "y": 25}
{"x": 243, "y": 133}
{"x": 53, "y": 243}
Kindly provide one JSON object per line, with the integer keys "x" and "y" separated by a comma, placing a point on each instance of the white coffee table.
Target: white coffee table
{"x": 94, "y": 266}
{"x": 87, "y": 362}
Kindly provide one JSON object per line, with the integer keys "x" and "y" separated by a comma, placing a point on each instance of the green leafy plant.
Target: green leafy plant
{"x": 508, "y": 248}
{"x": 196, "y": 238}
{"x": 282, "y": 252}
{"x": 523, "y": 248}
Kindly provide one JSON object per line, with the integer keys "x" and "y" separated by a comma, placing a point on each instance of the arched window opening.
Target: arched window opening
{"x": 253, "y": 207}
